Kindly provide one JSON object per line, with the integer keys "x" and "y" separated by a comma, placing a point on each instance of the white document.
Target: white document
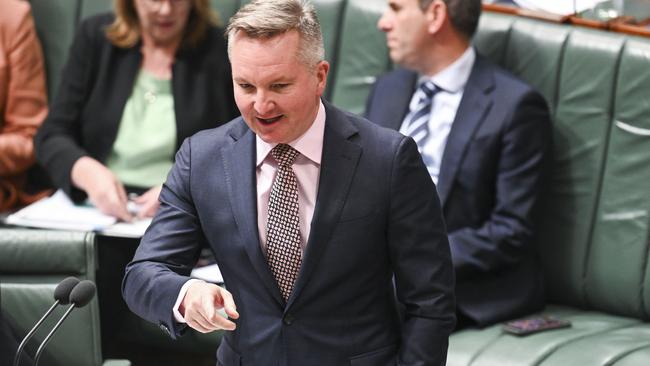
{"x": 59, "y": 212}
{"x": 562, "y": 7}
{"x": 209, "y": 273}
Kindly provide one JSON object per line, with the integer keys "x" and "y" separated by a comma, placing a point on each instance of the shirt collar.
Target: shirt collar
{"x": 309, "y": 144}
{"x": 454, "y": 77}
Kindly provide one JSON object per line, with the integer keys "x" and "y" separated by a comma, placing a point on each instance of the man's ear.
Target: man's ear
{"x": 322, "y": 69}
{"x": 436, "y": 16}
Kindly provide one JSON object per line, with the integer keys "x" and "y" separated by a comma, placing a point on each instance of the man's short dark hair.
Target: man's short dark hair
{"x": 463, "y": 14}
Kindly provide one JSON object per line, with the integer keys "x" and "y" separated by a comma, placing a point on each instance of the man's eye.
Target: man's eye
{"x": 246, "y": 86}
{"x": 279, "y": 86}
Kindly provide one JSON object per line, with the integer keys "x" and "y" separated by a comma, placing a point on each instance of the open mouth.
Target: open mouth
{"x": 268, "y": 121}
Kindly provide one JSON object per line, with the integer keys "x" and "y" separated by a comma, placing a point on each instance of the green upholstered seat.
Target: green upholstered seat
{"x": 92, "y": 7}
{"x": 581, "y": 125}
{"x": 225, "y": 9}
{"x": 617, "y": 277}
{"x": 610, "y": 336}
{"x": 362, "y": 55}
{"x": 593, "y": 227}
{"x": 55, "y": 25}
{"x": 538, "y": 65}
{"x": 32, "y": 263}
{"x": 493, "y": 36}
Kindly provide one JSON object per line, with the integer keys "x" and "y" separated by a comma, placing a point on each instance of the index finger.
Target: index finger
{"x": 215, "y": 318}
{"x": 119, "y": 203}
{"x": 122, "y": 213}
{"x": 229, "y": 304}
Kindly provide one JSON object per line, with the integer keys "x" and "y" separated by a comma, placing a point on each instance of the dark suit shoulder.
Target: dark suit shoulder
{"x": 397, "y": 76}
{"x": 382, "y": 133}
{"x": 367, "y": 133}
{"x": 92, "y": 42}
{"x": 228, "y": 132}
{"x": 506, "y": 83}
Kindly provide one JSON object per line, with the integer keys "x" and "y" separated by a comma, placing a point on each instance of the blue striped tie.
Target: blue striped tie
{"x": 418, "y": 119}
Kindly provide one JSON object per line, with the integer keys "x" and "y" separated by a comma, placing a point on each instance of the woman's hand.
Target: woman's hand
{"x": 148, "y": 202}
{"x": 103, "y": 188}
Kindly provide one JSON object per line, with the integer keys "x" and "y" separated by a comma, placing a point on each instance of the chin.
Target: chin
{"x": 395, "y": 58}
{"x": 165, "y": 38}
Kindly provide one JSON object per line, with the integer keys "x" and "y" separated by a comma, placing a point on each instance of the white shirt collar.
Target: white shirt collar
{"x": 454, "y": 77}
{"x": 309, "y": 144}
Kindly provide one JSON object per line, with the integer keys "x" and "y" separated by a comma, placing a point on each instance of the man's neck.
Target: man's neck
{"x": 443, "y": 55}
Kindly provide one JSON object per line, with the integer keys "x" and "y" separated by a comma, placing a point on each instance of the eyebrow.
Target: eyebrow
{"x": 283, "y": 79}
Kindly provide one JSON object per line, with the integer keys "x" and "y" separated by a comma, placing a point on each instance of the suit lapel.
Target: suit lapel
{"x": 395, "y": 97}
{"x": 474, "y": 105}
{"x": 239, "y": 165}
{"x": 338, "y": 163}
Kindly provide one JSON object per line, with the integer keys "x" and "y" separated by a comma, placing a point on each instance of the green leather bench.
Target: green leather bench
{"x": 594, "y": 224}
{"x": 32, "y": 263}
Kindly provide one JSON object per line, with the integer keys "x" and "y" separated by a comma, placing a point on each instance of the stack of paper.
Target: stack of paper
{"x": 563, "y": 7}
{"x": 59, "y": 212}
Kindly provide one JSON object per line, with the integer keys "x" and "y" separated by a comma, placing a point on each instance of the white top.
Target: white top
{"x": 451, "y": 81}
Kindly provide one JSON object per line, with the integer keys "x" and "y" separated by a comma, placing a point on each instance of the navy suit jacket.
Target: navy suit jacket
{"x": 377, "y": 216}
{"x": 489, "y": 180}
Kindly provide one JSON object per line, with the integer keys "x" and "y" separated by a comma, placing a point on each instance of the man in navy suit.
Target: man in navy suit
{"x": 483, "y": 135}
{"x": 311, "y": 213}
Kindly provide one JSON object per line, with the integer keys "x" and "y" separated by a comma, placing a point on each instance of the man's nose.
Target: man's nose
{"x": 383, "y": 23}
{"x": 263, "y": 103}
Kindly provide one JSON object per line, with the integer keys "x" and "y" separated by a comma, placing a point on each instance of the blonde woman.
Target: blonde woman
{"x": 136, "y": 84}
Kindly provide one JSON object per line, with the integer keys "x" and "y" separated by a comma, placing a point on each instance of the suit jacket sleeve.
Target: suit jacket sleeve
{"x": 421, "y": 261}
{"x": 23, "y": 98}
{"x": 168, "y": 250}
{"x": 507, "y": 234}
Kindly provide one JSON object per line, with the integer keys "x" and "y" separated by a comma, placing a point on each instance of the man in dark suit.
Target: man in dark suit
{"x": 310, "y": 212}
{"x": 483, "y": 135}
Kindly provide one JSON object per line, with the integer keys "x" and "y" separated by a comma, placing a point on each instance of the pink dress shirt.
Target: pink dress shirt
{"x": 307, "y": 170}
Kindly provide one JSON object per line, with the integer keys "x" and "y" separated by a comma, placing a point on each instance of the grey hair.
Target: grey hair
{"x": 270, "y": 18}
{"x": 463, "y": 14}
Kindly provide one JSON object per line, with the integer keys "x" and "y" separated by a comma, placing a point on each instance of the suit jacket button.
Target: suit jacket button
{"x": 288, "y": 319}
{"x": 164, "y": 328}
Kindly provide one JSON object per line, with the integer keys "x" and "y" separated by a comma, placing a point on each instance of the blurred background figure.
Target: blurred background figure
{"x": 23, "y": 101}
{"x": 484, "y": 135}
{"x": 136, "y": 84}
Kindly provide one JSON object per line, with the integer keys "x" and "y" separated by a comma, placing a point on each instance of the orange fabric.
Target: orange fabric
{"x": 23, "y": 98}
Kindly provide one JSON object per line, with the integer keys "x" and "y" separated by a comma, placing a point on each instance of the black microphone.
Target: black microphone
{"x": 61, "y": 297}
{"x": 79, "y": 297}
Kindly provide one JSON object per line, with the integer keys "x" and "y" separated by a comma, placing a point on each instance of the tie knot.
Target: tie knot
{"x": 284, "y": 154}
{"x": 429, "y": 89}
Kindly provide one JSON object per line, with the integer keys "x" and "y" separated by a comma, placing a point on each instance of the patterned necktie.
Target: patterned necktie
{"x": 418, "y": 119}
{"x": 282, "y": 229}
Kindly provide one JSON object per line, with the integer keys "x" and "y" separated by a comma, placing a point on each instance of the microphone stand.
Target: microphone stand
{"x": 49, "y": 335}
{"x": 31, "y": 332}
